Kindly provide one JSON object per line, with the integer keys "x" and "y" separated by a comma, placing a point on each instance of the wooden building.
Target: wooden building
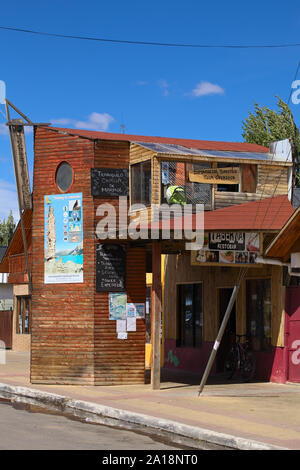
{"x": 245, "y": 194}
{"x": 80, "y": 280}
{"x": 13, "y": 263}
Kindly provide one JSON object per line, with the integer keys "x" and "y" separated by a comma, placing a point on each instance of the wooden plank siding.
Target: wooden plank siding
{"x": 73, "y": 340}
{"x": 257, "y": 180}
{"x": 119, "y": 361}
{"x": 62, "y": 344}
{"x": 272, "y": 181}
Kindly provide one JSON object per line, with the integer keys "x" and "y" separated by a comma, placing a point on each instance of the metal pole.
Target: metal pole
{"x": 221, "y": 332}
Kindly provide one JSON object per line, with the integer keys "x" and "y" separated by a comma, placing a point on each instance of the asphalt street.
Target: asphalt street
{"x": 25, "y": 430}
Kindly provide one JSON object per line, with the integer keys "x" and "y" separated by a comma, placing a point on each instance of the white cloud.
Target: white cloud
{"x": 95, "y": 122}
{"x": 141, "y": 83}
{"x": 9, "y": 200}
{"x": 164, "y": 86}
{"x": 3, "y": 129}
{"x": 207, "y": 88}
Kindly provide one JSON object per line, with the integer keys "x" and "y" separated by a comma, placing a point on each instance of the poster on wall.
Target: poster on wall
{"x": 63, "y": 239}
{"x": 227, "y": 248}
{"x": 117, "y": 306}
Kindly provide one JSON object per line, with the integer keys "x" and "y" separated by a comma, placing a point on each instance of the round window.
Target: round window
{"x": 64, "y": 176}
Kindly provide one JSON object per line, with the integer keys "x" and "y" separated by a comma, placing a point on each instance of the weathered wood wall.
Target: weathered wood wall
{"x": 119, "y": 361}
{"x": 62, "y": 314}
{"x": 73, "y": 340}
{"x": 257, "y": 180}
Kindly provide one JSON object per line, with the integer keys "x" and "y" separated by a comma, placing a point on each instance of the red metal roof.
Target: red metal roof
{"x": 266, "y": 214}
{"x": 197, "y": 144}
{"x": 263, "y": 215}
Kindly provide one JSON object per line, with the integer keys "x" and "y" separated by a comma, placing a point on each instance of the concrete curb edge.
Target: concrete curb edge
{"x": 137, "y": 419}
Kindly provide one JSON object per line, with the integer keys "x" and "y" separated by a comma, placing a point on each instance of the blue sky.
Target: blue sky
{"x": 176, "y": 92}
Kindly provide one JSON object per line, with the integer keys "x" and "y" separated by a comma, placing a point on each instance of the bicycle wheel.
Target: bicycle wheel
{"x": 230, "y": 364}
{"x": 248, "y": 366}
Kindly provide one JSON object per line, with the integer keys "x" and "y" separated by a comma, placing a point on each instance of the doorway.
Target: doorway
{"x": 6, "y": 326}
{"x": 230, "y": 330}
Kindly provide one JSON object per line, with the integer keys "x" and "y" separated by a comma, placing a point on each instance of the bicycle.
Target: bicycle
{"x": 240, "y": 358}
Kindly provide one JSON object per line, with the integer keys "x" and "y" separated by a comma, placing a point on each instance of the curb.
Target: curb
{"x": 180, "y": 433}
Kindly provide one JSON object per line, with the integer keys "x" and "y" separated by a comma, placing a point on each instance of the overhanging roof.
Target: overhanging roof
{"x": 264, "y": 215}
{"x": 283, "y": 243}
{"x": 189, "y": 143}
{"x": 172, "y": 149}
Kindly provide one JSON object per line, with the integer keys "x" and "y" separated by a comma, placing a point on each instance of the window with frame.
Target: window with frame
{"x": 141, "y": 183}
{"x": 176, "y": 186}
{"x": 233, "y": 188}
{"x": 258, "y": 295}
{"x": 190, "y": 315}
{"x": 23, "y": 323}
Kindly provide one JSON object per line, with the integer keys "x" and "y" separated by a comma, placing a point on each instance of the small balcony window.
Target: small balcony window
{"x": 176, "y": 187}
{"x": 141, "y": 183}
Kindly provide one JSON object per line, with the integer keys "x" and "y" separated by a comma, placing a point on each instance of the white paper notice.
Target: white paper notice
{"x": 121, "y": 326}
{"x": 122, "y": 335}
{"x": 131, "y": 324}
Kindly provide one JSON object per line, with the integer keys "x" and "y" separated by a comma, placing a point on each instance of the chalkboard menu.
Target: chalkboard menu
{"x": 110, "y": 268}
{"x": 108, "y": 182}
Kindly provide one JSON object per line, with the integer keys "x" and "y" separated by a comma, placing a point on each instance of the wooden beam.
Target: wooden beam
{"x": 156, "y": 314}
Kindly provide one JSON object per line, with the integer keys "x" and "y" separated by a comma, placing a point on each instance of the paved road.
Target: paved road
{"x": 23, "y": 430}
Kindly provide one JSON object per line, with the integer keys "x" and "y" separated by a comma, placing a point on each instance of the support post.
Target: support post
{"x": 156, "y": 314}
{"x": 20, "y": 198}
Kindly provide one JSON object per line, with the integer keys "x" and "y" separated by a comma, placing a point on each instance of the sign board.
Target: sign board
{"x": 227, "y": 175}
{"x": 110, "y": 268}
{"x": 109, "y": 182}
{"x": 20, "y": 159}
{"x": 227, "y": 248}
{"x": 63, "y": 238}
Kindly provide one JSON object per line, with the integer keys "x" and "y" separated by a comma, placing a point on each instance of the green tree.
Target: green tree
{"x": 7, "y": 229}
{"x": 267, "y": 125}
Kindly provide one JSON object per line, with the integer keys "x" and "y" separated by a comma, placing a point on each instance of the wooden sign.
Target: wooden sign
{"x": 109, "y": 182}
{"x": 110, "y": 267}
{"x": 228, "y": 175}
{"x": 20, "y": 159}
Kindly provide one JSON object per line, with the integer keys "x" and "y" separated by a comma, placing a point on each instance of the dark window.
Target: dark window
{"x": 64, "y": 176}
{"x": 23, "y": 324}
{"x": 233, "y": 188}
{"x": 141, "y": 183}
{"x": 190, "y": 315}
{"x": 258, "y": 293}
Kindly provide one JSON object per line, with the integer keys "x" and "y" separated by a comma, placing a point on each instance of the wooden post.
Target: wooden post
{"x": 20, "y": 194}
{"x": 156, "y": 314}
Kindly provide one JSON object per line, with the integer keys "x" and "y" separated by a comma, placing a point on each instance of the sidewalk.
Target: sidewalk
{"x": 264, "y": 412}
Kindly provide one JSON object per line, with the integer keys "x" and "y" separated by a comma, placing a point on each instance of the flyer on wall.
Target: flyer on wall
{"x": 63, "y": 239}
